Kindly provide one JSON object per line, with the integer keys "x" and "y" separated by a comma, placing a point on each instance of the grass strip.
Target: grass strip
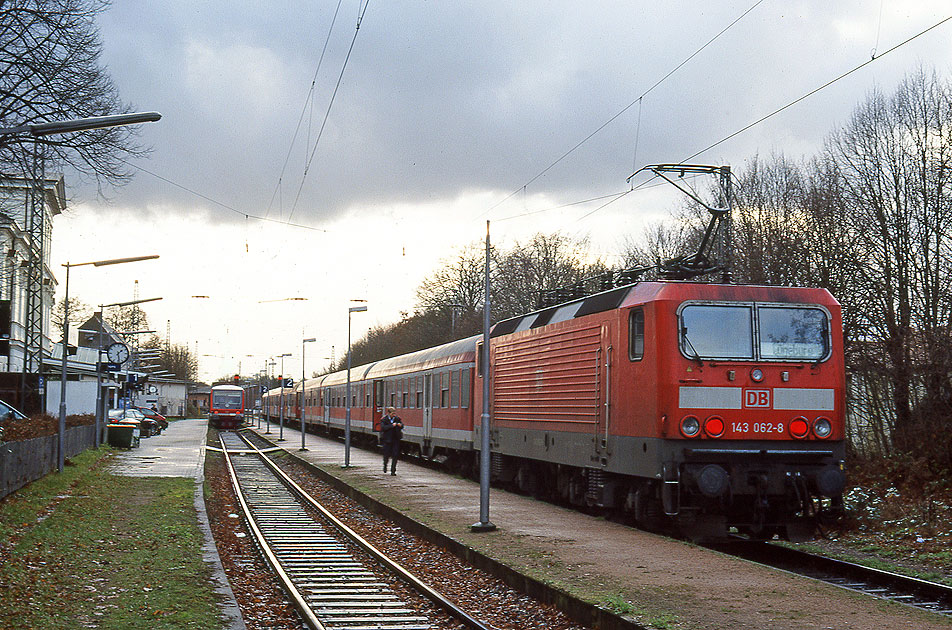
{"x": 86, "y": 548}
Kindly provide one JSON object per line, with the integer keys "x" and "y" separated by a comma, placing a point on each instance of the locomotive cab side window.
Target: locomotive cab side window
{"x": 636, "y": 334}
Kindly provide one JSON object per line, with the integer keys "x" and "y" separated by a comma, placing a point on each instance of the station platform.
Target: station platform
{"x": 668, "y": 583}
{"x": 179, "y": 451}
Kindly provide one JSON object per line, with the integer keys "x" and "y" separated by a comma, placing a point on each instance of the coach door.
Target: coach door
{"x": 427, "y": 406}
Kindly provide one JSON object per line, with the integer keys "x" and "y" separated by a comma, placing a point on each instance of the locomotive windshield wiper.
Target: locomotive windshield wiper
{"x": 696, "y": 357}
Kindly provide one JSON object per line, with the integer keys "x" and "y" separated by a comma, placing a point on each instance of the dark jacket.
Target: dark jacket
{"x": 391, "y": 429}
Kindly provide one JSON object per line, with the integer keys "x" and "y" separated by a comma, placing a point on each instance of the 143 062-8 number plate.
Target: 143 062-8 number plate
{"x": 757, "y": 428}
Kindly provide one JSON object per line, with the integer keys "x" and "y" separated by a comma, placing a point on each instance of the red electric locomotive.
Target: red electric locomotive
{"x": 226, "y": 406}
{"x": 714, "y": 406}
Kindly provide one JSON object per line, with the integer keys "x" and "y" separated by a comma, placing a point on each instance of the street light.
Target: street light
{"x": 62, "y": 405}
{"x": 281, "y": 376}
{"x": 303, "y": 374}
{"x": 100, "y": 411}
{"x": 352, "y": 309}
{"x": 82, "y": 124}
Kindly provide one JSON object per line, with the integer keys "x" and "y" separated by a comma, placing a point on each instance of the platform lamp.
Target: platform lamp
{"x": 303, "y": 376}
{"x": 65, "y": 344}
{"x": 350, "y": 311}
{"x": 281, "y": 413}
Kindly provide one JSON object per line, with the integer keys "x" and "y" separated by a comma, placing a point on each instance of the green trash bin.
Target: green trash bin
{"x": 123, "y": 435}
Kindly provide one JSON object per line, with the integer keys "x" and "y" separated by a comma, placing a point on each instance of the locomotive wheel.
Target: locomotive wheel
{"x": 527, "y": 480}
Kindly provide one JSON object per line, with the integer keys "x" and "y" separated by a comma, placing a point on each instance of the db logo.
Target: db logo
{"x": 759, "y": 398}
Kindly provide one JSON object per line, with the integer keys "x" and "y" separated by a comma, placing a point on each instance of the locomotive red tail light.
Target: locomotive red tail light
{"x": 799, "y": 427}
{"x": 822, "y": 428}
{"x": 714, "y": 427}
{"x": 690, "y": 426}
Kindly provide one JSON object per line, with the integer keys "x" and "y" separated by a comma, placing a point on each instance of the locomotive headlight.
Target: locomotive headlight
{"x": 690, "y": 426}
{"x": 756, "y": 375}
{"x": 822, "y": 428}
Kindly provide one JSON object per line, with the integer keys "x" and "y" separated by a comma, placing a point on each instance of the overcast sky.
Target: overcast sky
{"x": 444, "y": 109}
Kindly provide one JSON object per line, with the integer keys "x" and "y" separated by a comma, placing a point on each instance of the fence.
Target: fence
{"x": 26, "y": 461}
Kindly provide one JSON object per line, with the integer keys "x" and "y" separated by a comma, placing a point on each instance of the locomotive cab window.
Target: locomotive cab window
{"x": 793, "y": 333}
{"x": 636, "y": 334}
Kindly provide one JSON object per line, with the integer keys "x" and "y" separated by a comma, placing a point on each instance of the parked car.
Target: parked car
{"x": 147, "y": 426}
{"x": 155, "y": 415}
{"x": 8, "y": 412}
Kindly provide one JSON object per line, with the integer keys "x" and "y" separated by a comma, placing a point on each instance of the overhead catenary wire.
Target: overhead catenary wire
{"x": 623, "y": 110}
{"x": 794, "y": 102}
{"x": 818, "y": 89}
{"x": 221, "y": 204}
{"x": 320, "y": 133}
{"x": 307, "y": 101}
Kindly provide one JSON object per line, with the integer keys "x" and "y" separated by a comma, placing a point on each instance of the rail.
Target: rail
{"x": 327, "y": 585}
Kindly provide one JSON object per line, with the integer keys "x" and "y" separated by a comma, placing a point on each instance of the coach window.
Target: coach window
{"x": 403, "y": 393}
{"x": 419, "y": 392}
{"x": 445, "y": 390}
{"x": 435, "y": 390}
{"x": 454, "y": 389}
{"x": 464, "y": 399}
{"x": 636, "y": 334}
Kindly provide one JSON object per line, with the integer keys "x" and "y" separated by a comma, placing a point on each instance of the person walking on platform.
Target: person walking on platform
{"x": 391, "y": 432}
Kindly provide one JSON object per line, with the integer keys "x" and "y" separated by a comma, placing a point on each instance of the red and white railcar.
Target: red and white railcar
{"x": 226, "y": 406}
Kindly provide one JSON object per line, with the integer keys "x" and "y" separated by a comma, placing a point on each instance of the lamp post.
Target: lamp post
{"x": 270, "y": 373}
{"x": 303, "y": 375}
{"x": 100, "y": 411}
{"x": 62, "y": 405}
{"x": 485, "y": 458}
{"x": 351, "y": 310}
{"x": 281, "y": 377}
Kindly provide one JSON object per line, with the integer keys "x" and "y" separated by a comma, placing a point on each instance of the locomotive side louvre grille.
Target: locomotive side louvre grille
{"x": 552, "y": 378}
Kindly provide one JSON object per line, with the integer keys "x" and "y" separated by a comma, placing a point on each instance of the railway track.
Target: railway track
{"x": 311, "y": 553}
{"x": 886, "y": 585}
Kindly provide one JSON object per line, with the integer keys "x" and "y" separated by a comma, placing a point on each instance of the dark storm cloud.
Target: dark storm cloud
{"x": 443, "y": 97}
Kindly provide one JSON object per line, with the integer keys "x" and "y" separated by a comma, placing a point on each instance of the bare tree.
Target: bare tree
{"x": 79, "y": 312}
{"x": 459, "y": 281}
{"x": 894, "y": 159}
{"x": 50, "y": 71}
{"x": 547, "y": 261}
{"x": 174, "y": 358}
